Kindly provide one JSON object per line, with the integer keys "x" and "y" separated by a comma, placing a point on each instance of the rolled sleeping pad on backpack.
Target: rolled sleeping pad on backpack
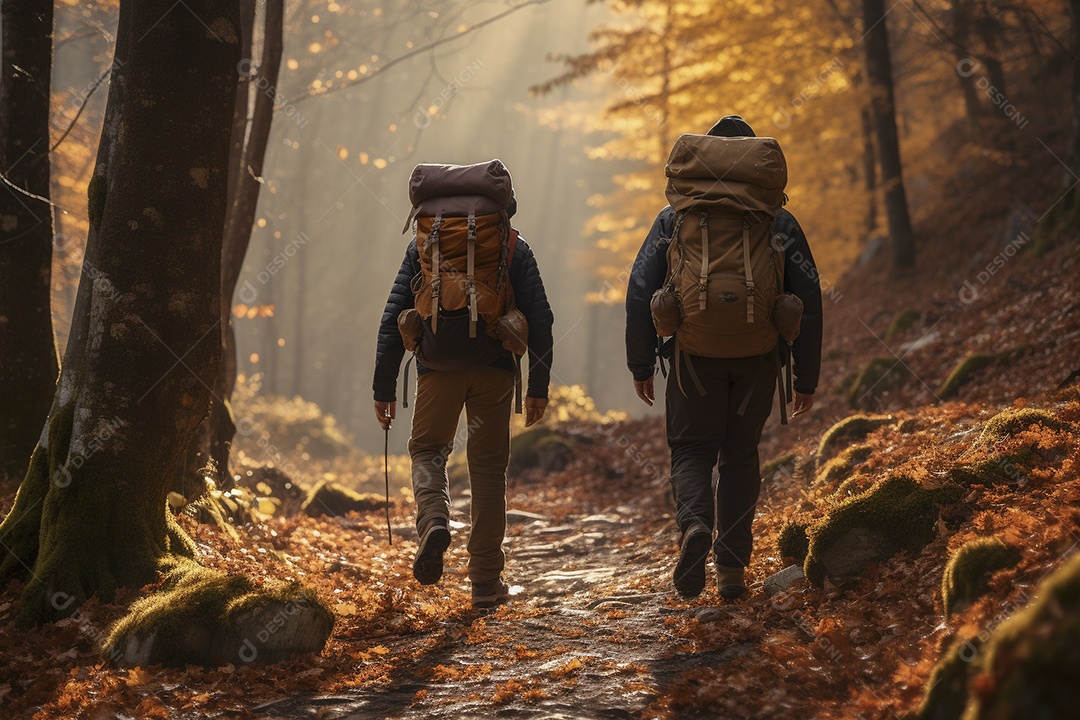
{"x": 736, "y": 174}
{"x": 458, "y": 190}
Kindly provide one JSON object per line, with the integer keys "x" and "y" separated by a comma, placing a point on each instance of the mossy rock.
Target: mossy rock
{"x": 270, "y": 481}
{"x": 204, "y": 617}
{"x": 329, "y": 498}
{"x": 895, "y": 514}
{"x": 947, "y": 688}
{"x": 1015, "y": 420}
{"x": 794, "y": 542}
{"x": 963, "y": 371}
{"x": 999, "y": 469}
{"x": 1029, "y": 664}
{"x": 541, "y": 447}
{"x": 781, "y": 465}
{"x": 902, "y": 322}
{"x": 854, "y": 485}
{"x": 879, "y": 376}
{"x": 969, "y": 569}
{"x": 840, "y": 467}
{"x": 850, "y": 430}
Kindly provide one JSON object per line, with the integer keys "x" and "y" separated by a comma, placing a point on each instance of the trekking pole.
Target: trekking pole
{"x": 386, "y": 475}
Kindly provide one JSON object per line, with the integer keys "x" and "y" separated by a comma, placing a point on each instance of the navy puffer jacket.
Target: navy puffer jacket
{"x": 529, "y": 297}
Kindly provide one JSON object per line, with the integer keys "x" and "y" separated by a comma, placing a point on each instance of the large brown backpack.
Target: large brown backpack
{"x": 724, "y": 271}
{"x": 464, "y": 312}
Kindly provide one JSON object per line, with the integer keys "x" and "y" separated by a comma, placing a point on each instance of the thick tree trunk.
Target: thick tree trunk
{"x": 28, "y": 362}
{"x": 1064, "y": 215}
{"x": 145, "y": 344}
{"x": 882, "y": 102}
{"x": 869, "y": 161}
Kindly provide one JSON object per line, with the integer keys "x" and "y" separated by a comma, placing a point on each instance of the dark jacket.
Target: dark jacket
{"x": 650, "y": 270}
{"x": 529, "y": 297}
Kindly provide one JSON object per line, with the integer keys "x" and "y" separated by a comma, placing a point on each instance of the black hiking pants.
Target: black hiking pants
{"x": 704, "y": 431}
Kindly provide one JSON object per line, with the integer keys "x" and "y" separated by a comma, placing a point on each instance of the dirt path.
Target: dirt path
{"x": 577, "y": 642}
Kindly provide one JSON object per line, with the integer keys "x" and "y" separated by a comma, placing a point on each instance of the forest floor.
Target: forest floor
{"x": 596, "y": 629}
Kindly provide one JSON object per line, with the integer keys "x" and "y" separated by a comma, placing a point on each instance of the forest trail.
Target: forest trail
{"x": 578, "y": 640}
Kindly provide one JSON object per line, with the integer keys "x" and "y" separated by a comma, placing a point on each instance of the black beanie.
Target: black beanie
{"x": 732, "y": 126}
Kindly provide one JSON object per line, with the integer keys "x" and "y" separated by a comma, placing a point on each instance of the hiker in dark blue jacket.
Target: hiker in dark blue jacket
{"x": 486, "y": 391}
{"x": 708, "y": 430}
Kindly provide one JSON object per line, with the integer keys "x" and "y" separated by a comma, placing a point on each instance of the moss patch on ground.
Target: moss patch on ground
{"x": 850, "y": 430}
{"x": 840, "y": 467}
{"x": 962, "y": 372}
{"x": 1015, "y": 420}
{"x": 947, "y": 693}
{"x": 780, "y": 465}
{"x": 902, "y": 322}
{"x": 204, "y": 617}
{"x": 542, "y": 447}
{"x": 968, "y": 572}
{"x": 329, "y": 498}
{"x": 878, "y": 376}
{"x": 794, "y": 542}
{"x": 1005, "y": 468}
{"x": 895, "y": 514}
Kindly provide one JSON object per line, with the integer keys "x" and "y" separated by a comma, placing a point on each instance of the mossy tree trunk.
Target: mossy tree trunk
{"x": 250, "y": 136}
{"x": 145, "y": 342}
{"x": 883, "y": 111}
{"x": 28, "y": 362}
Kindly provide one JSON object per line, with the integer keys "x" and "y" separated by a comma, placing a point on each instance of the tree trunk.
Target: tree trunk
{"x": 145, "y": 346}
{"x": 28, "y": 362}
{"x": 247, "y": 154}
{"x": 883, "y": 105}
{"x": 869, "y": 158}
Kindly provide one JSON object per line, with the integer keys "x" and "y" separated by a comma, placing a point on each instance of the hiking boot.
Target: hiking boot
{"x": 488, "y": 595}
{"x": 730, "y": 582}
{"x": 428, "y": 566}
{"x": 694, "y": 551}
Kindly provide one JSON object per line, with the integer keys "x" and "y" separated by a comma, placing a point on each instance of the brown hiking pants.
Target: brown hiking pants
{"x": 487, "y": 395}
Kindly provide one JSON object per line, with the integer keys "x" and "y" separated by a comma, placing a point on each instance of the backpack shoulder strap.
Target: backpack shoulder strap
{"x": 511, "y": 246}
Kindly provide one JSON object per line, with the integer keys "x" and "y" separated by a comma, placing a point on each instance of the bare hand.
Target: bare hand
{"x": 803, "y": 403}
{"x": 644, "y": 390}
{"x": 385, "y": 412}
{"x": 534, "y": 410}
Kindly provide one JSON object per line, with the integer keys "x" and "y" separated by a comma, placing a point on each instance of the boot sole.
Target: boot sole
{"x": 690, "y": 570}
{"x": 428, "y": 566}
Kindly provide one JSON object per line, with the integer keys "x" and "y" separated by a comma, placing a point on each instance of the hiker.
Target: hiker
{"x": 708, "y": 278}
{"x": 468, "y": 300}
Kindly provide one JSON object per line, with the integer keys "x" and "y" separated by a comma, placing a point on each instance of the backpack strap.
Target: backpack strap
{"x": 511, "y": 247}
{"x": 748, "y": 269}
{"x": 703, "y": 280}
{"x": 436, "y": 261}
{"x": 517, "y": 384}
{"x": 781, "y": 384}
{"x": 405, "y": 383}
{"x": 470, "y": 273}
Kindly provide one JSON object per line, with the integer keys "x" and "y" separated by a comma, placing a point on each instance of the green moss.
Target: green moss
{"x": 794, "y": 541}
{"x": 541, "y": 447}
{"x": 854, "y": 485}
{"x": 902, "y": 322}
{"x": 947, "y": 688}
{"x": 894, "y": 514}
{"x": 1031, "y": 659}
{"x": 1015, "y": 420}
{"x": 877, "y": 377}
{"x": 850, "y": 430}
{"x": 969, "y": 570}
{"x": 193, "y": 617}
{"x": 1007, "y": 468}
{"x": 782, "y": 464}
{"x": 841, "y": 466}
{"x": 962, "y": 373}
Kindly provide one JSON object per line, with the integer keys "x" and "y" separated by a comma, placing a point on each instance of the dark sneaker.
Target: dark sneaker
{"x": 428, "y": 566}
{"x": 730, "y": 581}
{"x": 690, "y": 570}
{"x": 488, "y": 595}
